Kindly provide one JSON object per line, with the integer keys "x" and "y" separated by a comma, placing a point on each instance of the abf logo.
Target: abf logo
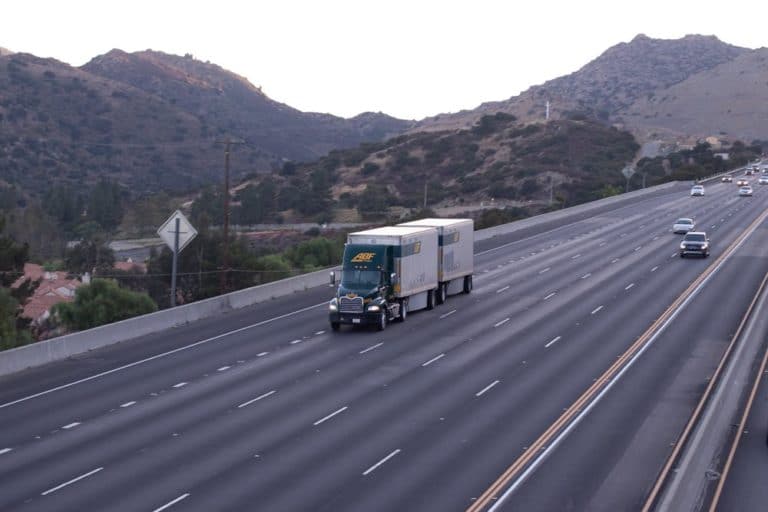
{"x": 363, "y": 257}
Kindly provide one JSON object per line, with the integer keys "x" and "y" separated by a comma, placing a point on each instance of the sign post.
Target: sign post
{"x": 176, "y": 232}
{"x": 628, "y": 172}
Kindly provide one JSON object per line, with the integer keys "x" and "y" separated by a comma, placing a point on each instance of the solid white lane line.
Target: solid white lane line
{"x": 223, "y": 368}
{"x": 597, "y": 309}
{"x": 127, "y": 404}
{"x": 262, "y": 354}
{"x": 296, "y": 341}
{"x": 180, "y": 385}
{"x": 249, "y": 402}
{"x": 71, "y": 425}
{"x": 545, "y": 270}
{"x": 447, "y": 314}
{"x": 486, "y": 388}
{"x": 171, "y": 503}
{"x": 164, "y": 354}
{"x": 630, "y": 285}
{"x": 577, "y": 256}
{"x": 498, "y": 324}
{"x": 433, "y": 360}
{"x": 321, "y": 420}
{"x": 554, "y": 340}
{"x": 550, "y": 295}
{"x": 382, "y": 461}
{"x": 86, "y": 475}
{"x": 371, "y": 348}
{"x": 586, "y": 275}
{"x": 5, "y": 450}
{"x": 654, "y": 268}
{"x": 502, "y": 289}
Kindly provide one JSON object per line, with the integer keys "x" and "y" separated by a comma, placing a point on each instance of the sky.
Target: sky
{"x": 407, "y": 58}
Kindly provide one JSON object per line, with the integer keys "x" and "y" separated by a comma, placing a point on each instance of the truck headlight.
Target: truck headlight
{"x": 374, "y": 308}
{"x": 682, "y": 246}
{"x": 333, "y": 306}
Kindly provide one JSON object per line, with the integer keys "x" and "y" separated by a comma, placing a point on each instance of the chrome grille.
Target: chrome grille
{"x": 351, "y": 305}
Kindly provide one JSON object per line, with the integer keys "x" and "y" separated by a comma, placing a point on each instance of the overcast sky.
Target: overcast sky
{"x": 406, "y": 58}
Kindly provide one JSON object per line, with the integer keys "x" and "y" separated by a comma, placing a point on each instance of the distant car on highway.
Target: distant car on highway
{"x": 763, "y": 180}
{"x": 683, "y": 225}
{"x": 749, "y": 172}
{"x": 727, "y": 178}
{"x": 745, "y": 191}
{"x": 697, "y": 190}
{"x": 695, "y": 242}
{"x": 741, "y": 182}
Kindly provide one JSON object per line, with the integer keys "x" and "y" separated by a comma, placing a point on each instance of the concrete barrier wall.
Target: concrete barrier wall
{"x": 47, "y": 351}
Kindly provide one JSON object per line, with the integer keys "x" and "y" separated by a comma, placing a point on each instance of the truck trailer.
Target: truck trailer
{"x": 386, "y": 273}
{"x": 456, "y": 254}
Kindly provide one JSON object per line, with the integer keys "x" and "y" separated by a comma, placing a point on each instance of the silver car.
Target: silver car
{"x": 697, "y": 190}
{"x": 683, "y": 225}
{"x": 745, "y": 191}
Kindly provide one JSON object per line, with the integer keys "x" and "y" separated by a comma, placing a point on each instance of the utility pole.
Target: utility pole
{"x": 224, "y": 284}
{"x": 425, "y": 195}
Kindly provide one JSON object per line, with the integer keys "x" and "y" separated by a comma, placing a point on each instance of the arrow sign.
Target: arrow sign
{"x": 168, "y": 231}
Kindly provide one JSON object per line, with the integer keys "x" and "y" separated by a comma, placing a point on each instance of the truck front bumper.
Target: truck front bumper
{"x": 355, "y": 318}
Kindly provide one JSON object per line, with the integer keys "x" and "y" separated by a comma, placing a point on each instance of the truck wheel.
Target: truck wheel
{"x": 335, "y": 326}
{"x": 382, "y": 321}
{"x": 403, "y": 310}
{"x": 467, "y": 284}
{"x": 442, "y": 291}
{"x": 431, "y": 299}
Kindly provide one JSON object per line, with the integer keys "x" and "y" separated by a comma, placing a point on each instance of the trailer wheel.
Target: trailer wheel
{"x": 335, "y": 326}
{"x": 382, "y": 321}
{"x": 431, "y": 299}
{"x": 467, "y": 284}
{"x": 442, "y": 292}
{"x": 403, "y": 310}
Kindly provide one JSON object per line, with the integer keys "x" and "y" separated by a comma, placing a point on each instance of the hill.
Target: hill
{"x": 616, "y": 87}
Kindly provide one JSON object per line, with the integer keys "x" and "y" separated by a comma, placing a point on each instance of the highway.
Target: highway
{"x": 267, "y": 409}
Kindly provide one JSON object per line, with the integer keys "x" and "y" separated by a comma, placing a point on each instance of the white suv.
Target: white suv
{"x": 697, "y": 190}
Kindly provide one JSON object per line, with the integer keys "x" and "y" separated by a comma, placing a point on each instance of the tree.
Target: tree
{"x": 105, "y": 205}
{"x": 101, "y": 302}
{"x": 10, "y": 335}
{"x": 90, "y": 255}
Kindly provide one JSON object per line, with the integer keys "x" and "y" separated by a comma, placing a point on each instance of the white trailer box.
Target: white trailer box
{"x": 414, "y": 254}
{"x": 455, "y": 246}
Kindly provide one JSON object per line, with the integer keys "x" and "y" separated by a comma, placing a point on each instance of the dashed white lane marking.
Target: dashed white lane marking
{"x": 128, "y": 404}
{"x": 223, "y": 368}
{"x": 486, "y": 388}
{"x": 448, "y": 313}
{"x": 654, "y": 269}
{"x": 575, "y": 256}
{"x": 586, "y": 275}
{"x": 554, "y": 340}
{"x": 638, "y": 248}
{"x": 374, "y": 347}
{"x": 5, "y": 450}
{"x": 630, "y": 285}
{"x": 180, "y": 385}
{"x": 86, "y": 475}
{"x": 550, "y": 295}
{"x": 714, "y": 226}
{"x": 615, "y": 260}
{"x": 296, "y": 341}
{"x": 656, "y": 238}
{"x": 262, "y": 354}
{"x": 497, "y": 324}
{"x": 433, "y": 360}
{"x": 382, "y": 461}
{"x": 334, "y": 413}
{"x": 602, "y": 244}
{"x": 249, "y": 402}
{"x": 71, "y": 425}
{"x": 318, "y": 333}
{"x": 502, "y": 289}
{"x": 171, "y": 503}
{"x": 597, "y": 309}
{"x": 674, "y": 256}
{"x": 545, "y": 270}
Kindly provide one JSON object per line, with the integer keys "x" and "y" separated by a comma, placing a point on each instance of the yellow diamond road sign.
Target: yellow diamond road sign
{"x": 168, "y": 231}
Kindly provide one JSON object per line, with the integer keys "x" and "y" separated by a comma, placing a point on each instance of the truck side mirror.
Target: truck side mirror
{"x": 333, "y": 278}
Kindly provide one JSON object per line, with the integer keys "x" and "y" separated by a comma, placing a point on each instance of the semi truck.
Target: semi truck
{"x": 390, "y": 271}
{"x": 456, "y": 255}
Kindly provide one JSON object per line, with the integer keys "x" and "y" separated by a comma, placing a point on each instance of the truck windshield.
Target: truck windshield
{"x": 360, "y": 279}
